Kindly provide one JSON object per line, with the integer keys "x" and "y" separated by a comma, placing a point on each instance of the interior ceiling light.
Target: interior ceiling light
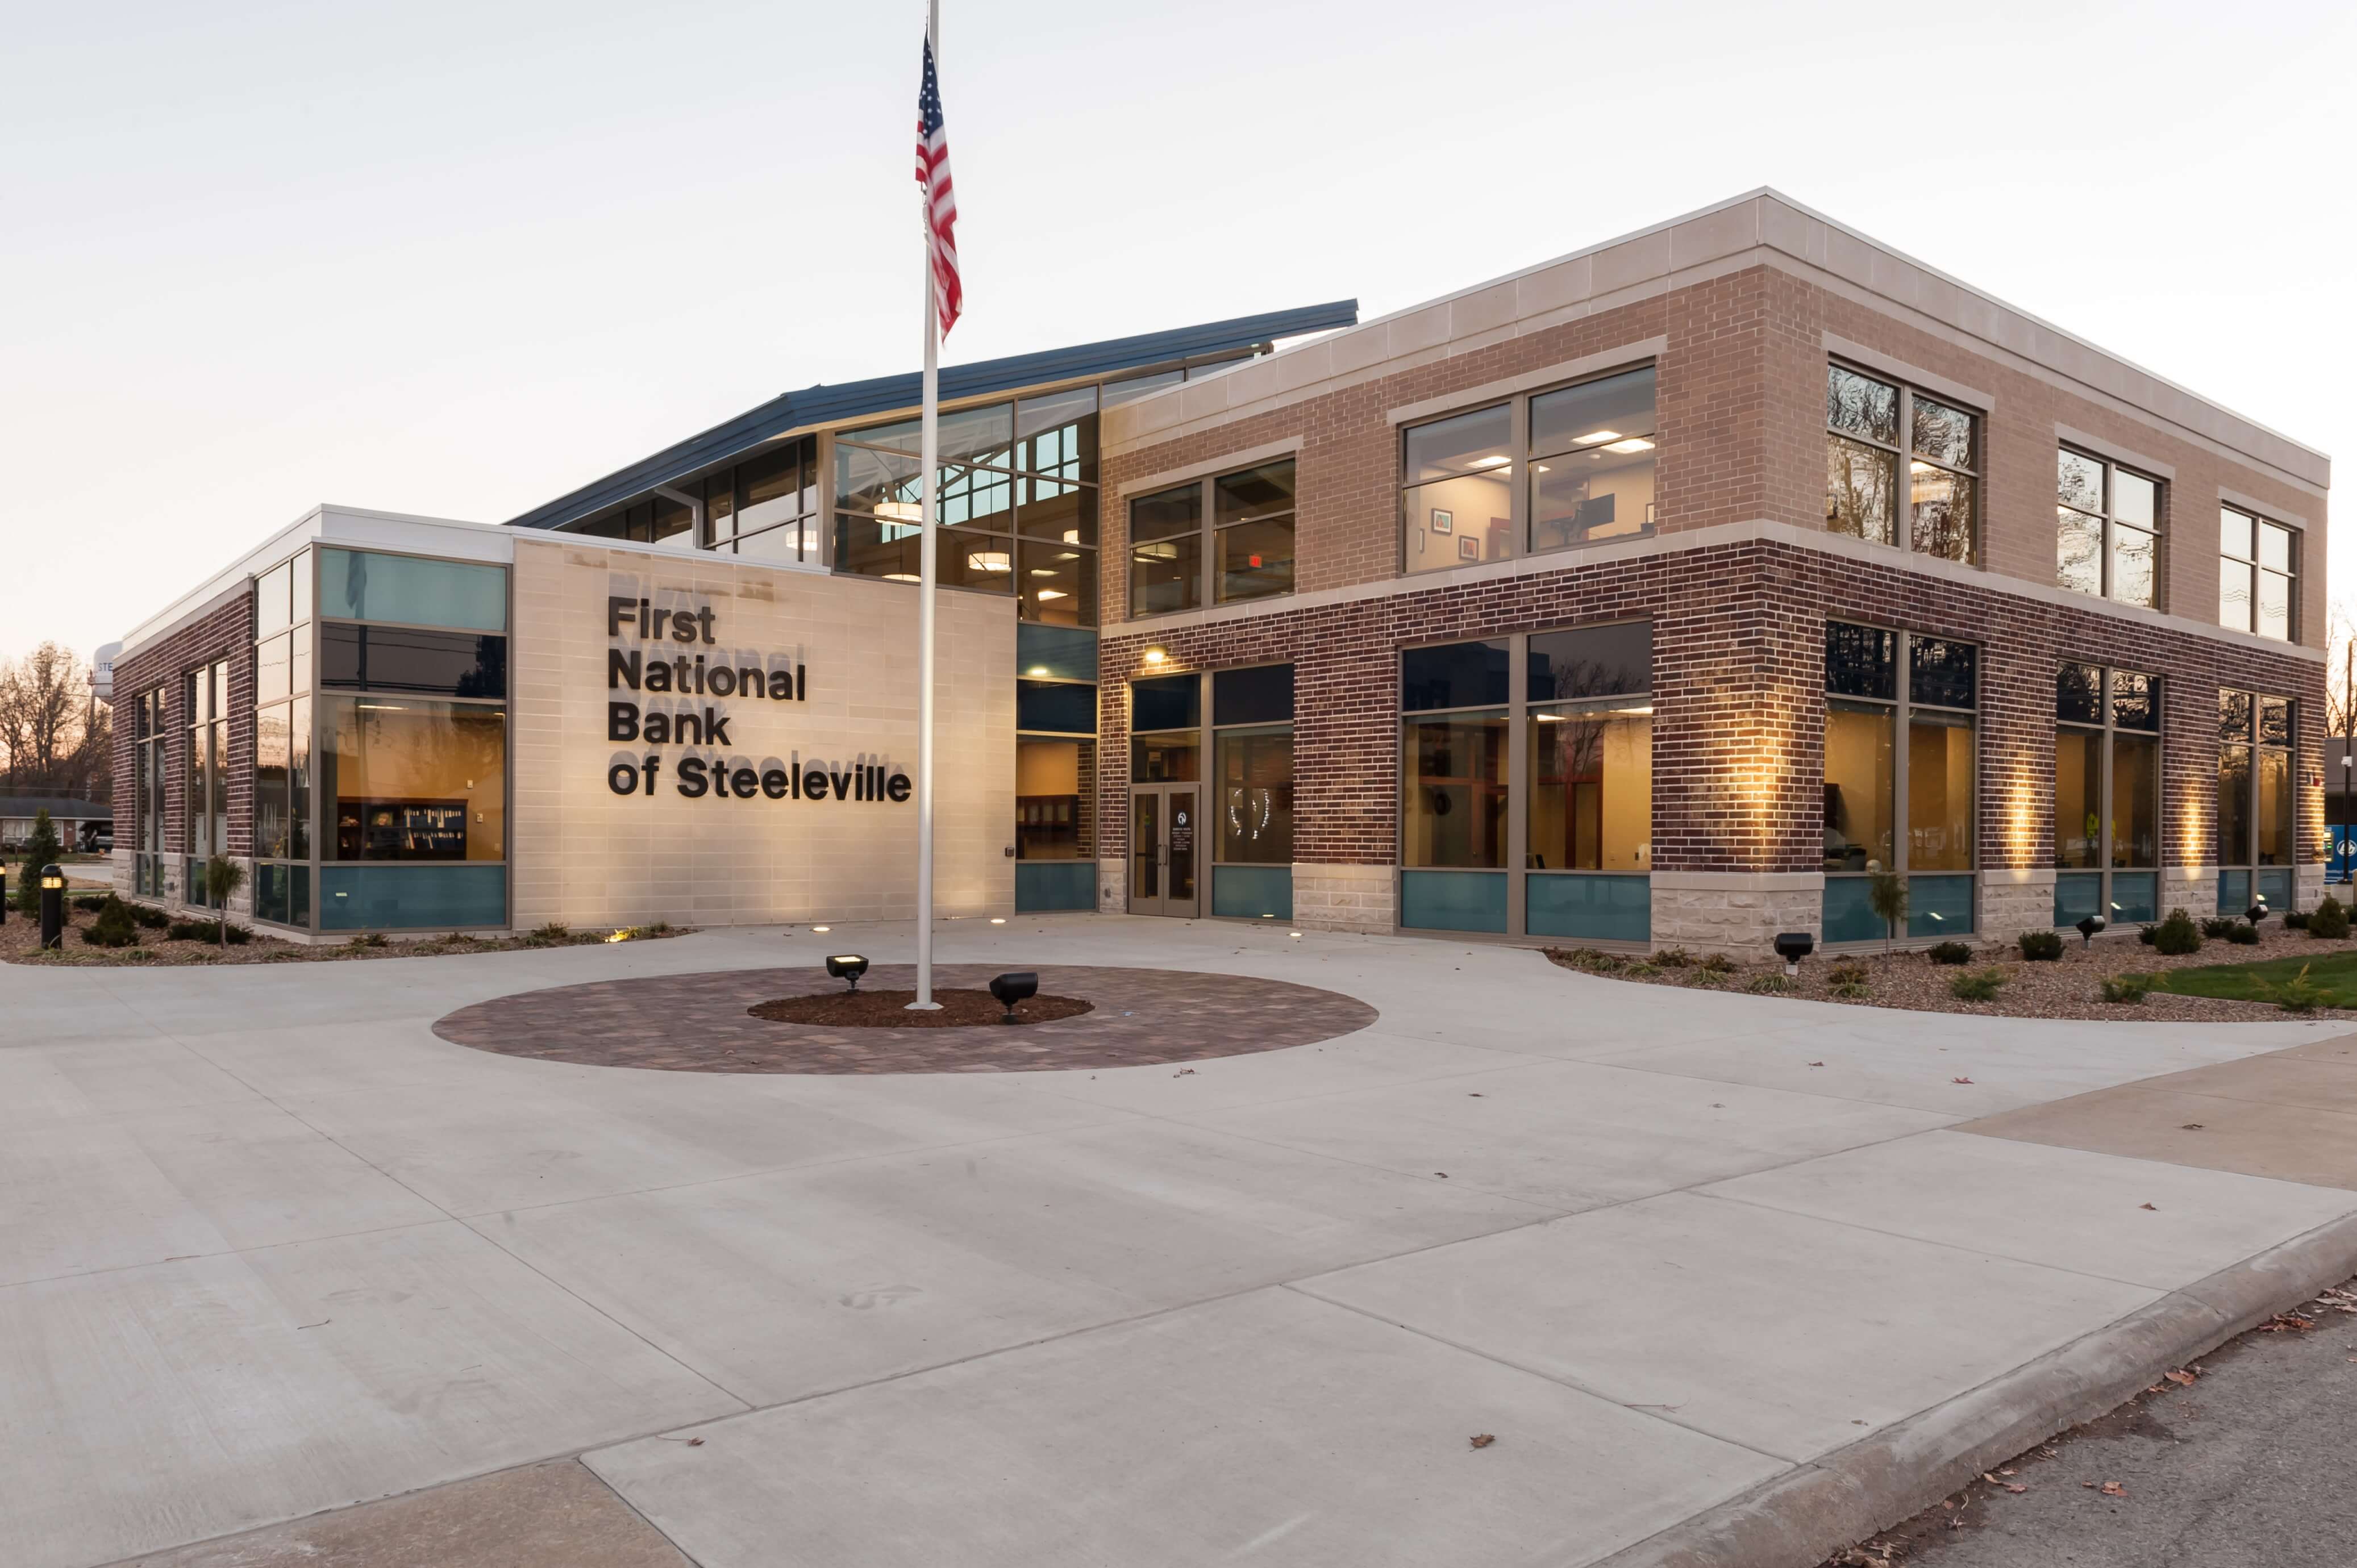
{"x": 988, "y": 560}
{"x": 902, "y": 577}
{"x": 1037, "y": 670}
{"x": 901, "y": 512}
{"x": 1633, "y": 444}
{"x": 1596, "y": 437}
{"x": 1050, "y": 594}
{"x": 1071, "y": 536}
{"x": 1043, "y": 571}
{"x": 1495, "y": 460}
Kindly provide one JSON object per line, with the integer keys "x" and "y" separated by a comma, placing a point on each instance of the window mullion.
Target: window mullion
{"x": 1517, "y": 767}
{"x": 1518, "y": 499}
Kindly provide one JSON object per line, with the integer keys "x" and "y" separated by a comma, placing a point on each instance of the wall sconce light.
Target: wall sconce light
{"x": 1157, "y": 656}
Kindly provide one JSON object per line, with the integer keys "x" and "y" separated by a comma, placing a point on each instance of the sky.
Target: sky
{"x": 457, "y": 259}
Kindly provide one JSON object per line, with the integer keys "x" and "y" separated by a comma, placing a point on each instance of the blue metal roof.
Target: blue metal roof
{"x": 823, "y": 405}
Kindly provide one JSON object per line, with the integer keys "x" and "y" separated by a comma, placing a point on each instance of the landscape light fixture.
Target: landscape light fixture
{"x": 846, "y": 967}
{"x": 53, "y": 908}
{"x": 2257, "y": 912}
{"x": 2087, "y": 930}
{"x": 1793, "y": 947}
{"x": 1018, "y": 986}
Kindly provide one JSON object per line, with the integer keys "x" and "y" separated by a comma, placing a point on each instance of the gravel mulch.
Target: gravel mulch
{"x": 889, "y": 1010}
{"x": 2069, "y": 987}
{"x": 20, "y": 942}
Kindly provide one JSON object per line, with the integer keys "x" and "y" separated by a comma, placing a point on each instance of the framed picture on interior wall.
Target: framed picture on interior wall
{"x": 1469, "y": 548}
{"x": 1442, "y": 521}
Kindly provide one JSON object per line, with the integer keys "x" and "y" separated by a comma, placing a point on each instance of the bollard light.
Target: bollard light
{"x": 2087, "y": 930}
{"x": 3, "y": 894}
{"x": 1019, "y": 986}
{"x": 1793, "y": 947}
{"x": 53, "y": 908}
{"x": 846, "y": 967}
{"x": 2257, "y": 912}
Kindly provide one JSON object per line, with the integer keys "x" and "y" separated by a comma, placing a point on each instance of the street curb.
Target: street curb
{"x": 1800, "y": 1518}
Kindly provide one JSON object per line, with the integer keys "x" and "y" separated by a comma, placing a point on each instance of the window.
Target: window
{"x": 2107, "y": 522}
{"x": 1247, "y": 556}
{"x": 205, "y": 698}
{"x": 1899, "y": 779}
{"x": 281, "y": 736}
{"x": 1017, "y": 498}
{"x": 2106, "y": 795}
{"x": 1252, "y": 792}
{"x": 1526, "y": 784}
{"x": 1551, "y": 471}
{"x": 1055, "y": 768}
{"x": 2258, "y": 560}
{"x": 2255, "y": 737}
{"x": 151, "y": 739}
{"x": 1866, "y": 420}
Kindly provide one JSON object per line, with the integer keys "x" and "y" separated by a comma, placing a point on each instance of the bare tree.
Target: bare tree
{"x": 2340, "y": 634}
{"x": 54, "y": 738}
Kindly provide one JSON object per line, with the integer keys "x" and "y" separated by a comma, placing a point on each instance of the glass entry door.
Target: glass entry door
{"x": 1162, "y": 851}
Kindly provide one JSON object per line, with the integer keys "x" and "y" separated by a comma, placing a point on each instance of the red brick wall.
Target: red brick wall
{"x": 225, "y": 632}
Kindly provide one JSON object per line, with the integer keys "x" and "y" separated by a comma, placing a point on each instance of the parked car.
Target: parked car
{"x": 98, "y": 838}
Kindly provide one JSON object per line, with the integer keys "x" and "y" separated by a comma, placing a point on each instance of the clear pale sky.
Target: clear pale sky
{"x": 456, "y": 259}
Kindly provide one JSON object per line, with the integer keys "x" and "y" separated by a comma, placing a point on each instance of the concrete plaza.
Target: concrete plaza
{"x": 271, "y": 1247}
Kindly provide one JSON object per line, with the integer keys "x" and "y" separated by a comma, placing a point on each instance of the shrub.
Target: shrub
{"x": 2298, "y": 994}
{"x": 1848, "y": 979}
{"x": 1717, "y": 963}
{"x": 148, "y": 918}
{"x": 1952, "y": 952}
{"x": 1886, "y": 895}
{"x": 91, "y": 902}
{"x": 223, "y": 877}
{"x": 2177, "y": 935}
{"x": 2329, "y": 922}
{"x": 2041, "y": 947}
{"x": 368, "y": 940}
{"x": 2148, "y": 935}
{"x": 2243, "y": 935}
{"x": 660, "y": 929}
{"x": 2221, "y": 926}
{"x": 219, "y": 931}
{"x": 554, "y": 932}
{"x": 1769, "y": 985}
{"x": 42, "y": 849}
{"x": 114, "y": 928}
{"x": 2295, "y": 919}
{"x": 1706, "y": 979}
{"x": 2127, "y": 987}
{"x": 1673, "y": 958}
{"x": 1978, "y": 984}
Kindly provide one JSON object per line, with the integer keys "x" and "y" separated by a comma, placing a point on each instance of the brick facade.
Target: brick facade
{"x": 225, "y": 631}
{"x": 1740, "y": 610}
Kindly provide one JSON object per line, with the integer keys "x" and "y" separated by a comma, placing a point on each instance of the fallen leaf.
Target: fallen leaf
{"x": 2113, "y": 1490}
{"x": 1482, "y": 1440}
{"x": 2015, "y": 1487}
{"x": 2287, "y": 1323}
{"x": 1959, "y": 1080}
{"x": 1184, "y": 1072}
{"x": 1817, "y": 1064}
{"x": 2183, "y": 1379}
{"x": 1442, "y": 1175}
{"x": 695, "y": 1443}
{"x": 1474, "y": 1094}
{"x": 2089, "y": 1485}
{"x": 2148, "y": 1205}
{"x": 2192, "y": 1127}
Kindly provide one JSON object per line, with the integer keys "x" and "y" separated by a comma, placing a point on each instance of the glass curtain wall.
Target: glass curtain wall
{"x": 205, "y": 795}
{"x": 412, "y": 743}
{"x": 1055, "y": 768}
{"x": 2106, "y": 795}
{"x": 1526, "y": 785}
{"x": 1900, "y": 777}
{"x": 2256, "y": 841}
{"x": 151, "y": 757}
{"x": 283, "y": 656}
{"x": 1019, "y": 502}
{"x": 1251, "y": 798}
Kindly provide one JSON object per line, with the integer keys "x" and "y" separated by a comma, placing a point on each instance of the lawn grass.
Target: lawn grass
{"x": 2332, "y": 973}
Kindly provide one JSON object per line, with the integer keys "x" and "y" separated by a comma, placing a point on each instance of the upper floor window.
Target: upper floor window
{"x": 2257, "y": 561}
{"x": 1549, "y": 471}
{"x": 1174, "y": 564}
{"x": 2108, "y": 522}
{"x": 1018, "y": 500}
{"x": 1870, "y": 426}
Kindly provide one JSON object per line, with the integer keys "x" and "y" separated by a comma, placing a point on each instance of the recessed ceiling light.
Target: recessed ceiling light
{"x": 988, "y": 560}
{"x": 1633, "y": 444}
{"x": 1050, "y": 594}
{"x": 1596, "y": 437}
{"x": 1495, "y": 460}
{"x": 902, "y": 577}
{"x": 821, "y": 927}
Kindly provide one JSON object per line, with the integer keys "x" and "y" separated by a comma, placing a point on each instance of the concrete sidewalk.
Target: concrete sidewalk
{"x": 273, "y": 1248}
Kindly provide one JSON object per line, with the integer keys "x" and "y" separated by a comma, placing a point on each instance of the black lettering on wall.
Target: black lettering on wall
{"x": 622, "y": 721}
{"x": 622, "y": 778}
{"x": 690, "y": 777}
{"x": 897, "y": 789}
{"x": 621, "y": 670}
{"x": 618, "y": 612}
{"x": 774, "y": 783}
{"x": 724, "y": 681}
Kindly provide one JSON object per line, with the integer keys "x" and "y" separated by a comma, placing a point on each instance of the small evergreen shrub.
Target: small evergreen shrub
{"x": 2244, "y": 935}
{"x": 90, "y": 903}
{"x": 2298, "y": 994}
{"x": 1978, "y": 984}
{"x": 113, "y": 927}
{"x": 148, "y": 918}
{"x": 2148, "y": 935}
{"x": 42, "y": 849}
{"x": 2296, "y": 920}
{"x": 2220, "y": 925}
{"x": 2127, "y": 987}
{"x": 2177, "y": 935}
{"x": 1952, "y": 952}
{"x": 2041, "y": 947}
{"x": 209, "y": 931}
{"x": 2329, "y": 922}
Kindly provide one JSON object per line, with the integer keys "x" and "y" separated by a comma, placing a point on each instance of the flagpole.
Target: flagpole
{"x": 929, "y": 442}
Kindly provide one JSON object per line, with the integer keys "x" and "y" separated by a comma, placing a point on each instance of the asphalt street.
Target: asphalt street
{"x": 2252, "y": 1465}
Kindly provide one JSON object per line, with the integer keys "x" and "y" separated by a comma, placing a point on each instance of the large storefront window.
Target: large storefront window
{"x": 1251, "y": 794}
{"x": 152, "y": 739}
{"x": 1055, "y": 768}
{"x": 205, "y": 698}
{"x": 282, "y": 743}
{"x": 411, "y": 747}
{"x": 1018, "y": 492}
{"x": 1554, "y": 470}
{"x": 2255, "y": 737}
{"x": 2106, "y": 795}
{"x": 1526, "y": 787}
{"x": 1899, "y": 779}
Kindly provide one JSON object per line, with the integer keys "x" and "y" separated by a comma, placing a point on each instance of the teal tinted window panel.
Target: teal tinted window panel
{"x": 1939, "y": 905}
{"x": 365, "y": 585}
{"x": 412, "y": 898}
{"x": 1252, "y": 892}
{"x": 2233, "y": 892}
{"x": 2274, "y": 886}
{"x": 1592, "y": 909}
{"x": 271, "y": 894}
{"x": 2135, "y": 895}
{"x": 1044, "y": 885}
{"x": 1848, "y": 916}
{"x": 1055, "y": 653}
{"x": 1453, "y": 900}
{"x": 2078, "y": 894}
{"x": 1056, "y": 709}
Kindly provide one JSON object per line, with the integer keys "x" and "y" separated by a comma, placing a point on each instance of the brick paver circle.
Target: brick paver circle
{"x": 698, "y": 1023}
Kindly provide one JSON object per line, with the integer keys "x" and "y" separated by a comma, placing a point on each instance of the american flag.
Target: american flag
{"x": 941, "y": 198}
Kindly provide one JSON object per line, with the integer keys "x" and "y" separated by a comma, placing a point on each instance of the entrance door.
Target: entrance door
{"x": 1162, "y": 856}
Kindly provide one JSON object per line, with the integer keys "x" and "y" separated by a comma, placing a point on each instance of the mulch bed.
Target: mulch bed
{"x": 20, "y": 942}
{"x": 889, "y": 1010}
{"x": 2069, "y": 987}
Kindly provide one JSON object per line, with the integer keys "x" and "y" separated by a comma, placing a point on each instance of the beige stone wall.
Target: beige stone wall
{"x": 1345, "y": 898}
{"x": 585, "y": 856}
{"x": 1734, "y": 913}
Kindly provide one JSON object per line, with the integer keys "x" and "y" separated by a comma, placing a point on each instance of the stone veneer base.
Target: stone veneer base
{"x": 1345, "y": 898}
{"x": 1734, "y": 912}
